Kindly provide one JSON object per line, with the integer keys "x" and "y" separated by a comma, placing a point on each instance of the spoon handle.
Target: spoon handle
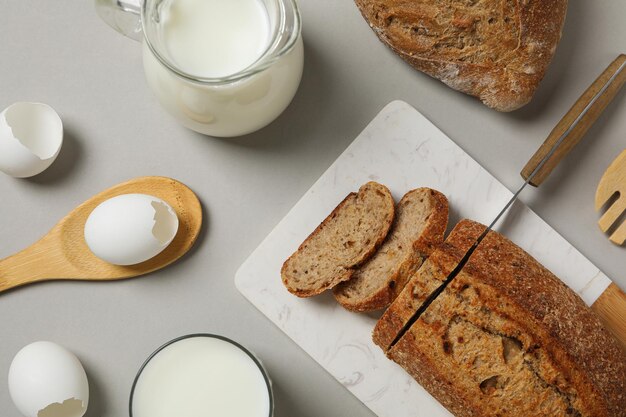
{"x": 33, "y": 264}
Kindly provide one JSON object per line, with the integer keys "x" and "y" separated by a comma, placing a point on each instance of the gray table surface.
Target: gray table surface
{"x": 60, "y": 53}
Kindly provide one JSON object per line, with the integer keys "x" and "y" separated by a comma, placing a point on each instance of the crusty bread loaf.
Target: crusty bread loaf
{"x": 507, "y": 338}
{"x": 344, "y": 240}
{"x": 496, "y": 50}
{"x": 419, "y": 226}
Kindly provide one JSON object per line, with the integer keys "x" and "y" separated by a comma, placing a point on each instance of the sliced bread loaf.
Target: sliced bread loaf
{"x": 419, "y": 226}
{"x": 496, "y": 50}
{"x": 344, "y": 240}
{"x": 507, "y": 338}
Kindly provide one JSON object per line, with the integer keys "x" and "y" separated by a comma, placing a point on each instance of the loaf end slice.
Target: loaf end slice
{"x": 508, "y": 338}
{"x": 495, "y": 50}
{"x": 344, "y": 240}
{"x": 419, "y": 226}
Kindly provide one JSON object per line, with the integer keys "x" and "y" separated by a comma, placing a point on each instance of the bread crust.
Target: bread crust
{"x": 505, "y": 84}
{"x": 429, "y": 239}
{"x": 345, "y": 271}
{"x": 515, "y": 297}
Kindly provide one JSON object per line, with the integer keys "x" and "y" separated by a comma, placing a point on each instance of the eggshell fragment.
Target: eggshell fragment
{"x": 131, "y": 228}
{"x": 31, "y": 135}
{"x": 47, "y": 380}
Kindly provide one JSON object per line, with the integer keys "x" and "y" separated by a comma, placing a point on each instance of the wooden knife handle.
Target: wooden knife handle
{"x": 581, "y": 128}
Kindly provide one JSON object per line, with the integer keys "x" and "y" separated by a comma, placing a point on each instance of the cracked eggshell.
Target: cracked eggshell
{"x": 31, "y": 135}
{"x": 131, "y": 228}
{"x": 47, "y": 380}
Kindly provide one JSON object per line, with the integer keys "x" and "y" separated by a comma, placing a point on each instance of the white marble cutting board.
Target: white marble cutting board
{"x": 403, "y": 150}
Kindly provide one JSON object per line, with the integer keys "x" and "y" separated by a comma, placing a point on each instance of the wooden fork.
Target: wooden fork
{"x": 613, "y": 181}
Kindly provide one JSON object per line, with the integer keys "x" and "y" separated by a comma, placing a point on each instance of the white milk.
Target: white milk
{"x": 201, "y": 377}
{"x": 215, "y": 38}
{"x": 218, "y": 38}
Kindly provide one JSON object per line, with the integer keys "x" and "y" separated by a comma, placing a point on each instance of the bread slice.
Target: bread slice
{"x": 425, "y": 282}
{"x": 496, "y": 50}
{"x": 419, "y": 226}
{"x": 507, "y": 338}
{"x": 343, "y": 241}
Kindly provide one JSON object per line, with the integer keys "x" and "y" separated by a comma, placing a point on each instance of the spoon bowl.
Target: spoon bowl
{"x": 63, "y": 254}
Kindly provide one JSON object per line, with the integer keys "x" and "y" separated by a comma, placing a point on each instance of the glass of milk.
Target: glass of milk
{"x": 202, "y": 375}
{"x": 221, "y": 67}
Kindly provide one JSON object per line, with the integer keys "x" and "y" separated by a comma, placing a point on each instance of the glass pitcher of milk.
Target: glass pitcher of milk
{"x": 221, "y": 67}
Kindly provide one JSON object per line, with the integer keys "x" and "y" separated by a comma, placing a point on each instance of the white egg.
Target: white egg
{"x": 31, "y": 135}
{"x": 130, "y": 228}
{"x": 47, "y": 380}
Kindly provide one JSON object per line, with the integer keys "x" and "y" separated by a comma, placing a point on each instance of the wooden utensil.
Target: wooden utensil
{"x": 63, "y": 253}
{"x": 611, "y": 81}
{"x": 611, "y": 306}
{"x": 613, "y": 181}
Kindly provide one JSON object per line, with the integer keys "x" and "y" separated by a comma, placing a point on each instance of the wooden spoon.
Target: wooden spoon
{"x": 63, "y": 253}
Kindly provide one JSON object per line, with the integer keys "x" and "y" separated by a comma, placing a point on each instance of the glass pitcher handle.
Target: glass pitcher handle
{"x": 122, "y": 15}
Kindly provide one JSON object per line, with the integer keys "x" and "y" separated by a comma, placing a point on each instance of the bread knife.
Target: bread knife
{"x": 568, "y": 132}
